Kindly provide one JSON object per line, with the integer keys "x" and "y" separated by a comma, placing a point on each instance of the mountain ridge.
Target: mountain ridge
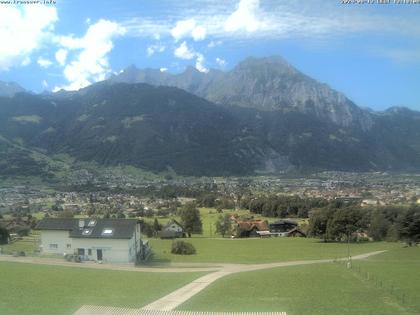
{"x": 160, "y": 128}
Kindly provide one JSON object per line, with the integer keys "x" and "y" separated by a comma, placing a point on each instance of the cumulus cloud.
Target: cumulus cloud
{"x": 25, "y": 62}
{"x": 221, "y": 62}
{"x": 43, "y": 62}
{"x": 199, "y": 63}
{"x": 152, "y": 49}
{"x": 184, "y": 52}
{"x": 187, "y": 53}
{"x": 22, "y": 31}
{"x": 61, "y": 56}
{"x": 244, "y": 18}
{"x": 91, "y": 63}
{"x": 163, "y": 69}
{"x": 213, "y": 43}
{"x": 188, "y": 28}
{"x": 44, "y": 84}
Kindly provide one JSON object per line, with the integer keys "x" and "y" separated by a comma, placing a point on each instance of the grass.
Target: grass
{"x": 28, "y": 244}
{"x": 261, "y": 250}
{"x": 396, "y": 271}
{"x": 209, "y": 217}
{"x": 314, "y": 289}
{"x": 44, "y": 290}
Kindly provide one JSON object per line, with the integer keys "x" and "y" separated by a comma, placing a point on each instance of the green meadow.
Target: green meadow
{"x": 44, "y": 290}
{"x": 322, "y": 289}
{"x": 261, "y": 250}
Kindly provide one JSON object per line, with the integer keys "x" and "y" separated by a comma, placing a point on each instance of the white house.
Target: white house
{"x": 172, "y": 230}
{"x": 108, "y": 240}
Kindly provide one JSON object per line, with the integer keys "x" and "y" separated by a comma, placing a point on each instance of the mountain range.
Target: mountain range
{"x": 262, "y": 117}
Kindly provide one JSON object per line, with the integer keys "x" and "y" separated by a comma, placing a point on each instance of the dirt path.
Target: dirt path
{"x": 176, "y": 298}
{"x": 94, "y": 265}
{"x": 179, "y": 296}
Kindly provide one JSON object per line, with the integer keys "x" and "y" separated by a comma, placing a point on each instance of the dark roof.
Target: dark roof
{"x": 284, "y": 222}
{"x": 57, "y": 224}
{"x": 119, "y": 228}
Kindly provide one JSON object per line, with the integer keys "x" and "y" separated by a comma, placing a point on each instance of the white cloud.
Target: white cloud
{"x": 221, "y": 62}
{"x": 158, "y": 48}
{"x": 88, "y": 21}
{"x": 199, "y": 63}
{"x": 163, "y": 69}
{"x": 25, "y": 62}
{"x": 91, "y": 64}
{"x": 198, "y": 33}
{"x": 213, "y": 43}
{"x": 23, "y": 29}
{"x": 187, "y": 53}
{"x": 61, "y": 56}
{"x": 188, "y": 28}
{"x": 43, "y": 62}
{"x": 44, "y": 84}
{"x": 315, "y": 20}
{"x": 244, "y": 18}
{"x": 184, "y": 52}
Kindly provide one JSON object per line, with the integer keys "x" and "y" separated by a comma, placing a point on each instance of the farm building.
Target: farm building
{"x": 108, "y": 240}
{"x": 282, "y": 226}
{"x": 286, "y": 228}
{"x": 249, "y": 228}
{"x": 172, "y": 229}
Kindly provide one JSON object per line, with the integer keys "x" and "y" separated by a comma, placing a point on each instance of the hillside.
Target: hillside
{"x": 161, "y": 128}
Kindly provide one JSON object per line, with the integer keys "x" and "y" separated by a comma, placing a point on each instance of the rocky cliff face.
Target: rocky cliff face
{"x": 269, "y": 84}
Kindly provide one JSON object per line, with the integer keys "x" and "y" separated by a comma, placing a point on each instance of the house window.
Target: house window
{"x": 68, "y": 245}
{"x": 92, "y": 223}
{"x": 87, "y": 231}
{"x": 107, "y": 232}
{"x": 89, "y": 252}
{"x": 53, "y": 246}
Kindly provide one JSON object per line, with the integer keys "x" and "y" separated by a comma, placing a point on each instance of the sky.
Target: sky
{"x": 370, "y": 52}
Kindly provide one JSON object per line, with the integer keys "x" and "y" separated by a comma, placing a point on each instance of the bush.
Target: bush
{"x": 182, "y": 248}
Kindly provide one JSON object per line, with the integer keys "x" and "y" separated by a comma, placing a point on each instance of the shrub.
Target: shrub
{"x": 182, "y": 248}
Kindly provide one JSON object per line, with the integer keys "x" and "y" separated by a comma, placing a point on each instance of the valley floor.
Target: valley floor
{"x": 387, "y": 283}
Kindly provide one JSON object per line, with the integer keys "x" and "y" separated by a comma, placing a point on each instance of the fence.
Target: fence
{"x": 386, "y": 286}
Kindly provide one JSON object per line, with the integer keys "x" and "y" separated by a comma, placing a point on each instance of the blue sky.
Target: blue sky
{"x": 370, "y": 52}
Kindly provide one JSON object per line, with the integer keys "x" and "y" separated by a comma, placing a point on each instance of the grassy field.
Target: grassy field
{"x": 396, "y": 271}
{"x": 315, "y": 289}
{"x": 209, "y": 217}
{"x": 27, "y": 244}
{"x": 261, "y": 250}
{"x": 44, "y": 290}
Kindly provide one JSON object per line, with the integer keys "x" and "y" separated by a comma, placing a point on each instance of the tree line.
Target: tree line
{"x": 352, "y": 223}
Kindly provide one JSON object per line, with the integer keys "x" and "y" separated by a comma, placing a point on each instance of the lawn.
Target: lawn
{"x": 44, "y": 290}
{"x": 28, "y": 244}
{"x": 314, "y": 289}
{"x": 259, "y": 250}
{"x": 396, "y": 271}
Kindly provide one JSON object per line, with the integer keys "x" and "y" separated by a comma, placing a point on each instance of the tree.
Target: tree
{"x": 223, "y": 225}
{"x": 318, "y": 221}
{"x": 344, "y": 223}
{"x": 4, "y": 235}
{"x": 190, "y": 218}
{"x": 379, "y": 226}
{"x": 156, "y": 226}
{"x": 409, "y": 226}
